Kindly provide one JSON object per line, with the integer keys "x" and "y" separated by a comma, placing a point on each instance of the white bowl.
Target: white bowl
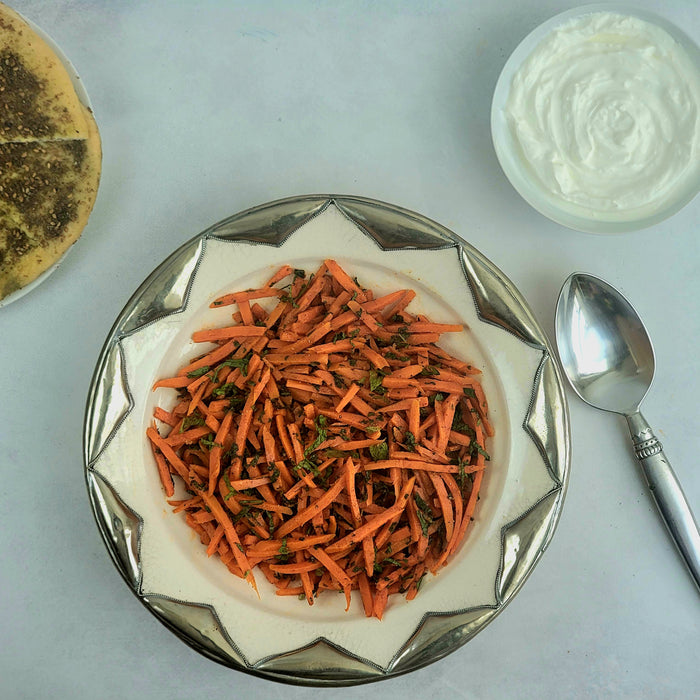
{"x": 518, "y": 171}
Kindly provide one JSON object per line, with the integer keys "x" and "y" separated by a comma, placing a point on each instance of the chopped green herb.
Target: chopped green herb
{"x": 375, "y": 382}
{"x": 477, "y": 448}
{"x": 227, "y": 389}
{"x": 390, "y": 560}
{"x": 463, "y": 476}
{"x": 380, "y": 451}
{"x": 198, "y": 372}
{"x": 283, "y": 551}
{"x": 424, "y": 523}
{"x": 231, "y": 452}
{"x": 195, "y": 419}
{"x": 410, "y": 441}
{"x": 208, "y": 441}
{"x": 429, "y": 371}
{"x": 400, "y": 339}
{"x": 321, "y": 434}
{"x": 307, "y": 464}
{"x": 331, "y": 452}
{"x": 461, "y": 427}
{"x": 239, "y": 363}
{"x": 393, "y": 356}
{"x": 231, "y": 490}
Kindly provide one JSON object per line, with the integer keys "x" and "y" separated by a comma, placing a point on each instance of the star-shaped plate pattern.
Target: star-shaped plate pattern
{"x": 283, "y": 638}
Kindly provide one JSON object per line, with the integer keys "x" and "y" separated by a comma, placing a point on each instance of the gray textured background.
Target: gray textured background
{"x": 209, "y": 108}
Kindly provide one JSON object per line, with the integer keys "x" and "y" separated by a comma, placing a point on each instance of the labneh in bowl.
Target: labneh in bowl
{"x": 283, "y": 638}
{"x": 542, "y": 172}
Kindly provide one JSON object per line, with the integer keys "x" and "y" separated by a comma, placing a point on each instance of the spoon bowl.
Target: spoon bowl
{"x": 603, "y": 345}
{"x": 608, "y": 358}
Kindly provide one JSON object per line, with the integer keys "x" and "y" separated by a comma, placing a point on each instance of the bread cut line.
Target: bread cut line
{"x": 50, "y": 156}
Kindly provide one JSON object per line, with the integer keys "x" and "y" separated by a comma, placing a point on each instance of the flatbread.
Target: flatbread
{"x": 37, "y": 98}
{"x": 46, "y": 194}
{"x": 50, "y": 156}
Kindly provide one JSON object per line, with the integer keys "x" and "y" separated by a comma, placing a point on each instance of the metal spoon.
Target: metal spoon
{"x": 609, "y": 360}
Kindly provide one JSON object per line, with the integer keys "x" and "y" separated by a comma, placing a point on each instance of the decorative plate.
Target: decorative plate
{"x": 282, "y": 638}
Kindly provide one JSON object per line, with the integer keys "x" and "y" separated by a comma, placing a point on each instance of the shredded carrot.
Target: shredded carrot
{"x": 326, "y": 441}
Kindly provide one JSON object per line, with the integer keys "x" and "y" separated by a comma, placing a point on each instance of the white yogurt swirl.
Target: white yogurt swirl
{"x": 606, "y": 110}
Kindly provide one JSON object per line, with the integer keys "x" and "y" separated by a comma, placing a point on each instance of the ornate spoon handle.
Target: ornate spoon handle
{"x": 667, "y": 493}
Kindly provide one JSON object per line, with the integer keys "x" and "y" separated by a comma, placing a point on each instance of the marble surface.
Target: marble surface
{"x": 209, "y": 108}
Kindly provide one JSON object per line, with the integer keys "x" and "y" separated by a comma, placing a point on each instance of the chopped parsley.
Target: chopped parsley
{"x": 429, "y": 371}
{"x": 198, "y": 372}
{"x": 380, "y": 451}
{"x": 375, "y": 382}
{"x": 195, "y": 419}
{"x": 209, "y": 442}
{"x": 321, "y": 435}
{"x": 409, "y": 440}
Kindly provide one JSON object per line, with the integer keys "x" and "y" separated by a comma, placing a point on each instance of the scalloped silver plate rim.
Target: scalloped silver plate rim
{"x": 375, "y": 672}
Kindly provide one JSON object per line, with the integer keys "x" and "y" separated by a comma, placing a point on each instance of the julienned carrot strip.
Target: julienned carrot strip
{"x": 279, "y": 275}
{"x": 376, "y": 522}
{"x": 312, "y": 291}
{"x": 350, "y": 471}
{"x": 352, "y": 445}
{"x": 306, "y": 359}
{"x": 180, "y": 467}
{"x": 468, "y": 511}
{"x": 379, "y": 361}
{"x": 165, "y": 416}
{"x": 269, "y": 548}
{"x": 231, "y": 536}
{"x": 354, "y": 388}
{"x": 210, "y": 359}
{"x": 173, "y": 383}
{"x": 414, "y": 417}
{"x": 344, "y": 279}
{"x": 365, "y": 593}
{"x": 324, "y": 439}
{"x": 315, "y": 508}
{"x": 335, "y": 571}
{"x": 262, "y": 293}
{"x": 396, "y": 308}
{"x": 164, "y": 473}
{"x": 297, "y": 568}
{"x": 447, "y": 512}
{"x": 403, "y": 405}
{"x": 240, "y": 331}
{"x": 413, "y": 464}
{"x": 215, "y": 452}
{"x": 197, "y": 397}
{"x": 426, "y": 327}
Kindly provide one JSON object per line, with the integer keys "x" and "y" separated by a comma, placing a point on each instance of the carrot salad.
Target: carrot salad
{"x": 325, "y": 441}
